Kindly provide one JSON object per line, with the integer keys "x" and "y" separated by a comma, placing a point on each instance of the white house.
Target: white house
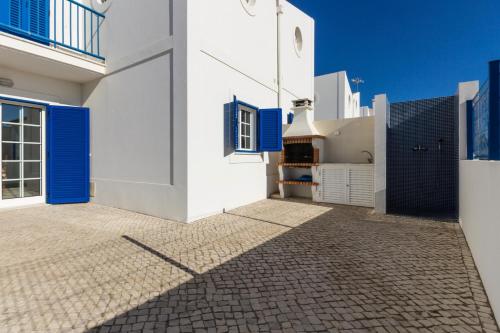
{"x": 173, "y": 100}
{"x": 334, "y": 99}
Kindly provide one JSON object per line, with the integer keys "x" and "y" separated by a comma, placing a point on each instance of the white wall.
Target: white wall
{"x": 237, "y": 55}
{"x": 138, "y": 110}
{"x": 347, "y": 138}
{"x": 366, "y": 111}
{"x": 480, "y": 221}
{"x": 297, "y": 67}
{"x": 355, "y": 106}
{"x": 31, "y": 86}
{"x": 218, "y": 69}
{"x": 328, "y": 91}
{"x": 334, "y": 98}
{"x": 466, "y": 91}
{"x": 381, "y": 109}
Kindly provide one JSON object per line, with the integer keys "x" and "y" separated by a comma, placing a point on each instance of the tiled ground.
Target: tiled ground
{"x": 276, "y": 266}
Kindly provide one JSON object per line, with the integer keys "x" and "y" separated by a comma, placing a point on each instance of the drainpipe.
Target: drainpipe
{"x": 279, "y": 12}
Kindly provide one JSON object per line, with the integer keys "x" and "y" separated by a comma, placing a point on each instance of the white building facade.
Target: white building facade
{"x": 334, "y": 98}
{"x": 180, "y": 98}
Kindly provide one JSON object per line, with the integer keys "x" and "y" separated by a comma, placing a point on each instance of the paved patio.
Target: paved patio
{"x": 277, "y": 266}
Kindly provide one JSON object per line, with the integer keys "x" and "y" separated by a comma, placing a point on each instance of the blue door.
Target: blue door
{"x": 68, "y": 165}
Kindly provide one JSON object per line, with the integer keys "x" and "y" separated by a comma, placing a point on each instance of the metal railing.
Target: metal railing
{"x": 70, "y": 25}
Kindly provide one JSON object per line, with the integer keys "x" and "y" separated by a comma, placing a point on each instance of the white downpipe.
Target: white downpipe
{"x": 279, "y": 12}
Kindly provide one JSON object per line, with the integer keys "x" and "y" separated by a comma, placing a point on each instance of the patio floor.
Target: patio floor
{"x": 273, "y": 266}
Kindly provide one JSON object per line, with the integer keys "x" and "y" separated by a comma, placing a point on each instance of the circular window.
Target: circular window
{"x": 249, "y": 6}
{"x": 298, "y": 41}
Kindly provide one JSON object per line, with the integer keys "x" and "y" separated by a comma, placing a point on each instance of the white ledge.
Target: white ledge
{"x": 32, "y": 57}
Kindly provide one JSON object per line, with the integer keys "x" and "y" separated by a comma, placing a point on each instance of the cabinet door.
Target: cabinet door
{"x": 361, "y": 186}
{"x": 334, "y": 185}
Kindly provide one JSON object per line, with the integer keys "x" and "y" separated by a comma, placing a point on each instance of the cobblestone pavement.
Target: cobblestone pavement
{"x": 274, "y": 266}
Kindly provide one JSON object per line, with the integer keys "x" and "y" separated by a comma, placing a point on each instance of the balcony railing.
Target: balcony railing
{"x": 58, "y": 23}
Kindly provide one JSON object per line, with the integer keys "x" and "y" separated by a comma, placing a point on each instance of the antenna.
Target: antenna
{"x": 357, "y": 81}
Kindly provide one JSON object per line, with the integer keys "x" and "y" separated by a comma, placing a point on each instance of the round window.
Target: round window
{"x": 298, "y": 41}
{"x": 249, "y": 6}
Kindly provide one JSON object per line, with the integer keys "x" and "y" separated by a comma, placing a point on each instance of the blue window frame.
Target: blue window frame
{"x": 256, "y": 130}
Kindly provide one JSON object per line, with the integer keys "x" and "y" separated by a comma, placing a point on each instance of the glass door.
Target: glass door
{"x": 21, "y": 152}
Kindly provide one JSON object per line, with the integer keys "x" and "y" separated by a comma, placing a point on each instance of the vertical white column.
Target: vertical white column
{"x": 381, "y": 109}
{"x": 465, "y": 92}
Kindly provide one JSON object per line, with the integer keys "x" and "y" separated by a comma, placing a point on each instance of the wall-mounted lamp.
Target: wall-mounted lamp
{"x": 101, "y": 5}
{"x": 6, "y": 82}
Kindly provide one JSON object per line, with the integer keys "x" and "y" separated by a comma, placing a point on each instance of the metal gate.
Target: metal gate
{"x": 422, "y": 158}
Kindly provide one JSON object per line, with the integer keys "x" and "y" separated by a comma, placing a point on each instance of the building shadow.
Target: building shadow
{"x": 341, "y": 271}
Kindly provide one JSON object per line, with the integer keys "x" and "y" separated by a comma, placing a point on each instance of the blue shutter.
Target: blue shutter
{"x": 15, "y": 14}
{"x": 67, "y": 155}
{"x": 235, "y": 122}
{"x": 270, "y": 130}
{"x": 27, "y": 18}
{"x": 38, "y": 17}
{"x": 10, "y": 13}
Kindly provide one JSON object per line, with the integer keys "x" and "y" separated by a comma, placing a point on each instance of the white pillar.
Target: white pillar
{"x": 381, "y": 109}
{"x": 465, "y": 92}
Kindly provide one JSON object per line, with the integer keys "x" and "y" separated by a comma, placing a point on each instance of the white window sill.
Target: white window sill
{"x": 242, "y": 157}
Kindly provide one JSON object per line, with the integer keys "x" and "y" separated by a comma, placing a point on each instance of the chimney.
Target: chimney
{"x": 303, "y": 120}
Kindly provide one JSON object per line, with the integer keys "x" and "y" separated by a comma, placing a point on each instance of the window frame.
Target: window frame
{"x": 253, "y": 124}
{"x": 23, "y": 199}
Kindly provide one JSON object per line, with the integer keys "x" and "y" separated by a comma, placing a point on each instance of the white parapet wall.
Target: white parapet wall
{"x": 480, "y": 221}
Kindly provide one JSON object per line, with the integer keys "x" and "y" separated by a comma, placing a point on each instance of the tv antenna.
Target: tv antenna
{"x": 357, "y": 81}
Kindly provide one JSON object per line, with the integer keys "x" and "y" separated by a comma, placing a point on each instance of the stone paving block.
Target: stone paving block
{"x": 273, "y": 266}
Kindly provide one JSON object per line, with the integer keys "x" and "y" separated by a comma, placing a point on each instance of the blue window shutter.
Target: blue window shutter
{"x": 68, "y": 165}
{"x": 270, "y": 130}
{"x": 4, "y": 12}
{"x": 38, "y": 17}
{"x": 15, "y": 14}
{"x": 235, "y": 122}
{"x": 10, "y": 13}
{"x": 31, "y": 16}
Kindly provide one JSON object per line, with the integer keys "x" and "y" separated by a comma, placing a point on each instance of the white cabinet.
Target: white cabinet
{"x": 346, "y": 184}
{"x": 333, "y": 185}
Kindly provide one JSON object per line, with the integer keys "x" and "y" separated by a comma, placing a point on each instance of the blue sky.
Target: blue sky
{"x": 408, "y": 49}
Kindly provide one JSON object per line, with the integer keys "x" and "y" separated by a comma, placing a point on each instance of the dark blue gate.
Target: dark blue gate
{"x": 422, "y": 158}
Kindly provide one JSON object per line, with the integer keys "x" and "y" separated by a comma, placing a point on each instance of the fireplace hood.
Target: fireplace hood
{"x": 302, "y": 125}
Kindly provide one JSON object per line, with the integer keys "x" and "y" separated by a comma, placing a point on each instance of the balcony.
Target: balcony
{"x": 56, "y": 38}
